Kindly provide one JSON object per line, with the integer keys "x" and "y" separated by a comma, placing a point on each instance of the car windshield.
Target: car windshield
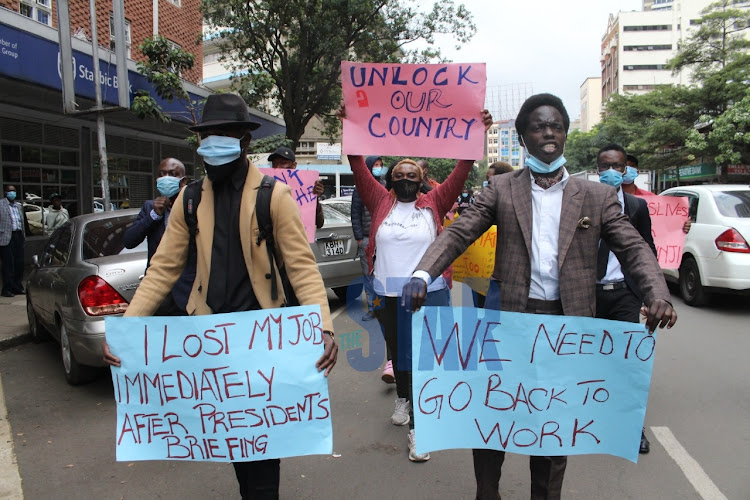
{"x": 334, "y": 216}
{"x": 344, "y": 207}
{"x": 103, "y": 237}
{"x": 733, "y": 203}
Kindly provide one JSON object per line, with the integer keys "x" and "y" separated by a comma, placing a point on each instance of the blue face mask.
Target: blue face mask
{"x": 378, "y": 171}
{"x": 485, "y": 184}
{"x": 168, "y": 186}
{"x": 538, "y": 166}
{"x": 219, "y": 149}
{"x": 631, "y": 173}
{"x": 611, "y": 177}
{"x": 464, "y": 195}
{"x": 11, "y": 195}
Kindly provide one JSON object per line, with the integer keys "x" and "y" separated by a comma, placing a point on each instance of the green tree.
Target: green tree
{"x": 163, "y": 66}
{"x": 290, "y": 50}
{"x": 729, "y": 135}
{"x": 581, "y": 149}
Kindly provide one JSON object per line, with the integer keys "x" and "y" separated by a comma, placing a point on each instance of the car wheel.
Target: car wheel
{"x": 38, "y": 333}
{"x": 75, "y": 373}
{"x": 691, "y": 287}
{"x": 340, "y": 292}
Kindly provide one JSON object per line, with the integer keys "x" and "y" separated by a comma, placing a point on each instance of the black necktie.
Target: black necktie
{"x": 602, "y": 259}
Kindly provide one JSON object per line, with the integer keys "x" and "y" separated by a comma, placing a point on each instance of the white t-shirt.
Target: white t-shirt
{"x": 400, "y": 243}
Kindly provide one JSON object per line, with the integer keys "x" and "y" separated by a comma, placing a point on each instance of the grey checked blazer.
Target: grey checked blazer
{"x": 506, "y": 201}
{"x": 6, "y": 227}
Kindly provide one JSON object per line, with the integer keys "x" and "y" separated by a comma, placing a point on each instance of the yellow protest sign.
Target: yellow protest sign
{"x": 475, "y": 265}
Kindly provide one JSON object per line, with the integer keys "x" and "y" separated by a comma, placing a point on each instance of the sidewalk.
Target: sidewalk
{"x": 14, "y": 327}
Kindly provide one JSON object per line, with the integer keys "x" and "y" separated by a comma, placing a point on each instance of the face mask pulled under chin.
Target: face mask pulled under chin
{"x": 406, "y": 189}
{"x": 538, "y": 166}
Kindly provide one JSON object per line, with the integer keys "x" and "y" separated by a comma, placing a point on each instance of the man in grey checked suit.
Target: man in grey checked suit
{"x": 12, "y": 238}
{"x": 548, "y": 230}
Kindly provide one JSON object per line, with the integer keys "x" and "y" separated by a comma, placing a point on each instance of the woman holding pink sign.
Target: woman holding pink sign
{"x": 404, "y": 224}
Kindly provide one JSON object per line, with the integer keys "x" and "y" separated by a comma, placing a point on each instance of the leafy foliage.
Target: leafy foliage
{"x": 162, "y": 68}
{"x": 289, "y": 51}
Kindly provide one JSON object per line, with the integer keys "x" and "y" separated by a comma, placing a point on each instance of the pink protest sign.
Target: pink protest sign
{"x": 668, "y": 216}
{"x": 430, "y": 110}
{"x": 302, "y": 183}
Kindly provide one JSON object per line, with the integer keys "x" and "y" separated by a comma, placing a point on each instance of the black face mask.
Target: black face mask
{"x": 219, "y": 173}
{"x": 406, "y": 189}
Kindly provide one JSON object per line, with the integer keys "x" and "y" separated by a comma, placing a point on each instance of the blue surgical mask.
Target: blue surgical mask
{"x": 611, "y": 177}
{"x": 538, "y": 166}
{"x": 168, "y": 186}
{"x": 378, "y": 171}
{"x": 485, "y": 184}
{"x": 11, "y": 195}
{"x": 631, "y": 173}
{"x": 464, "y": 195}
{"x": 219, "y": 149}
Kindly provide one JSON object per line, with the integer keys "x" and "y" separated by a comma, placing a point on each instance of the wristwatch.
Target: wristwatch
{"x": 329, "y": 333}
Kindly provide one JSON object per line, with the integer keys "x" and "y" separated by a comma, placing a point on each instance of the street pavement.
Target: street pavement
{"x": 63, "y": 436}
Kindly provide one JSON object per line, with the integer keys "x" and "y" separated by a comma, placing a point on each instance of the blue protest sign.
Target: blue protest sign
{"x": 529, "y": 384}
{"x": 224, "y": 387}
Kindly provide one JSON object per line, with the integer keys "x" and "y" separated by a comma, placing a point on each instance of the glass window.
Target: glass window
{"x": 49, "y": 249}
{"x": 30, "y": 155}
{"x": 733, "y": 203}
{"x": 103, "y": 237}
{"x": 61, "y": 252}
{"x": 332, "y": 215}
{"x": 11, "y": 152}
{"x": 43, "y": 17}
{"x": 26, "y": 10}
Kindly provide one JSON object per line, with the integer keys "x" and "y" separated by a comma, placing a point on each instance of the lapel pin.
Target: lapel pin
{"x": 584, "y": 223}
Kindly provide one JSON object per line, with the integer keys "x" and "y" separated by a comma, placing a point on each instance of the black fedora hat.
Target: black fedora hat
{"x": 225, "y": 110}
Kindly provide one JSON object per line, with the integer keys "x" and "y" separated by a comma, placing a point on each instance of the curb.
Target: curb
{"x": 14, "y": 341}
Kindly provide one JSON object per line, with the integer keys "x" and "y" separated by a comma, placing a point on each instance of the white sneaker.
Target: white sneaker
{"x": 401, "y": 413}
{"x": 413, "y": 455}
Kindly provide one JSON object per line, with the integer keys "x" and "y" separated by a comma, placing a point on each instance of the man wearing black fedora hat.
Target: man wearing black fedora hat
{"x": 284, "y": 157}
{"x": 225, "y": 244}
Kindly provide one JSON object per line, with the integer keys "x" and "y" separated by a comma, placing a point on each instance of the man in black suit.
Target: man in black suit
{"x": 617, "y": 295}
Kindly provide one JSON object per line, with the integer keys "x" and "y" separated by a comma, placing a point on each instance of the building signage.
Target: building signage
{"x": 27, "y": 57}
{"x": 738, "y": 169}
{"x": 329, "y": 151}
{"x": 691, "y": 172}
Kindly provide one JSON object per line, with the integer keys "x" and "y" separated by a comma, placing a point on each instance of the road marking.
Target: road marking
{"x": 335, "y": 314}
{"x": 692, "y": 470}
{"x": 10, "y": 479}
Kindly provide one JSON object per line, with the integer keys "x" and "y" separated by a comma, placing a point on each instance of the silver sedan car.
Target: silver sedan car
{"x": 84, "y": 274}
{"x": 335, "y": 248}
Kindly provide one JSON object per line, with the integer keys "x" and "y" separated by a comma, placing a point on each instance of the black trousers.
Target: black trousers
{"x": 258, "y": 480}
{"x": 619, "y": 305}
{"x": 546, "y": 472}
{"x": 12, "y": 256}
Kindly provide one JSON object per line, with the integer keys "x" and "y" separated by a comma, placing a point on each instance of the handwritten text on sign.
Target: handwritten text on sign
{"x": 529, "y": 384}
{"x": 474, "y": 267}
{"x": 668, "y": 216}
{"x": 224, "y": 387}
{"x": 430, "y": 110}
{"x": 302, "y": 183}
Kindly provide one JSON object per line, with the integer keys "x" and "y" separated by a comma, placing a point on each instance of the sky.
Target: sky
{"x": 552, "y": 44}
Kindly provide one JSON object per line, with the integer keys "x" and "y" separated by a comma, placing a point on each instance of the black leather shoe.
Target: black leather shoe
{"x": 645, "y": 445}
{"x": 8, "y": 294}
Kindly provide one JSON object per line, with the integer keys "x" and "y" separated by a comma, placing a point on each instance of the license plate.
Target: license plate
{"x": 334, "y": 248}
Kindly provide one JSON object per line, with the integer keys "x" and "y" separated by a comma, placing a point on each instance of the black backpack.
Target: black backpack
{"x": 191, "y": 198}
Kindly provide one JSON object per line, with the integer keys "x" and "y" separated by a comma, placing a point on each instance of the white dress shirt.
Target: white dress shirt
{"x": 546, "y": 205}
{"x": 614, "y": 271}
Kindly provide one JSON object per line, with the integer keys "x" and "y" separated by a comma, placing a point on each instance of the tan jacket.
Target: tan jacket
{"x": 292, "y": 249}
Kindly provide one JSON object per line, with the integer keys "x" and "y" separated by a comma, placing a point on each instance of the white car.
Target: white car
{"x": 716, "y": 256}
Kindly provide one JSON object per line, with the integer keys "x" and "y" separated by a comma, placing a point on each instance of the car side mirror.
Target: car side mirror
{"x": 35, "y": 260}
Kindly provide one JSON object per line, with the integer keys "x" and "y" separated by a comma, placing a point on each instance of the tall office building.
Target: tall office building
{"x": 503, "y": 144}
{"x": 637, "y": 45}
{"x": 591, "y": 103}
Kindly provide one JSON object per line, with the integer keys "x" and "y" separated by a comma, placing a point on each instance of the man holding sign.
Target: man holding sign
{"x": 233, "y": 270}
{"x": 548, "y": 228}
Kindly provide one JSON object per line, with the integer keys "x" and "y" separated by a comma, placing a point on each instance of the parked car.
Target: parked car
{"x": 335, "y": 248}
{"x": 83, "y": 275}
{"x": 716, "y": 255}
{"x": 35, "y": 215}
{"x": 343, "y": 204}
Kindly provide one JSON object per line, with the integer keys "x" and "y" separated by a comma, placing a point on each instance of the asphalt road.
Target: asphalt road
{"x": 699, "y": 406}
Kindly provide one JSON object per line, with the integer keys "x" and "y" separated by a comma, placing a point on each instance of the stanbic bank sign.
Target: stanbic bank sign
{"x": 32, "y": 58}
